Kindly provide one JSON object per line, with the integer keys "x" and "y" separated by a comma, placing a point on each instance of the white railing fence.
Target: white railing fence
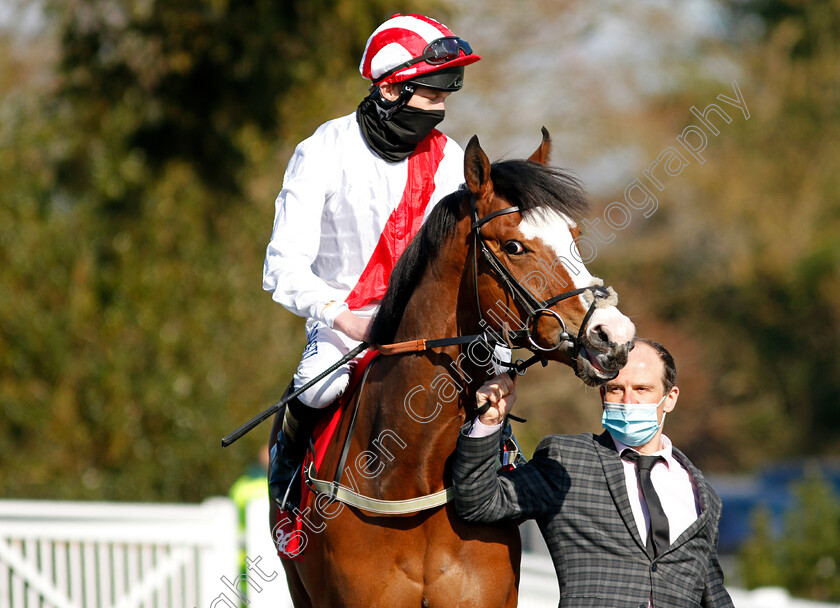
{"x": 116, "y": 555}
{"x": 111, "y": 555}
{"x": 266, "y": 588}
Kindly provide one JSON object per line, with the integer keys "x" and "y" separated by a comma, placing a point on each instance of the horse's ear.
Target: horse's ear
{"x": 544, "y": 151}
{"x": 477, "y": 170}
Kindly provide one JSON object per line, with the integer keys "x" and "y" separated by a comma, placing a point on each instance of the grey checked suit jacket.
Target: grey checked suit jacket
{"x": 574, "y": 487}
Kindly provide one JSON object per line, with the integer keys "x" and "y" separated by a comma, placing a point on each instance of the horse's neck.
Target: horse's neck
{"x": 431, "y": 309}
{"x": 422, "y": 397}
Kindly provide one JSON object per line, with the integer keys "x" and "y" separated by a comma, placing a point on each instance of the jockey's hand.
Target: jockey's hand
{"x": 353, "y": 326}
{"x": 500, "y": 391}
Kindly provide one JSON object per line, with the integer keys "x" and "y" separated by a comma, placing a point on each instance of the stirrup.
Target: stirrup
{"x": 282, "y": 504}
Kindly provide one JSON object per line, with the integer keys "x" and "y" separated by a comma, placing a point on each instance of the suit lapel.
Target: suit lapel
{"x": 709, "y": 505}
{"x": 616, "y": 481}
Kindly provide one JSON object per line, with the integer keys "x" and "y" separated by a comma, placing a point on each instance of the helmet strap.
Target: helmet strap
{"x": 386, "y": 109}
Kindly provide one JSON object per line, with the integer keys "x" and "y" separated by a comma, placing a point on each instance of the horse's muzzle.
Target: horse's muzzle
{"x": 595, "y": 367}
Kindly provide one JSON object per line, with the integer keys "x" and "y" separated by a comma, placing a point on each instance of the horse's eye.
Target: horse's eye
{"x": 514, "y": 248}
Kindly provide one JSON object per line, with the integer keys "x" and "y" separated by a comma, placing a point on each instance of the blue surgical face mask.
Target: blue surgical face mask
{"x": 633, "y": 424}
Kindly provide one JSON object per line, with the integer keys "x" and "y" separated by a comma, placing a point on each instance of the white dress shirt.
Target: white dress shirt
{"x": 676, "y": 489}
{"x": 479, "y": 429}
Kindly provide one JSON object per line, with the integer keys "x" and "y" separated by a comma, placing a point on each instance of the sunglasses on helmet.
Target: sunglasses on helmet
{"x": 437, "y": 52}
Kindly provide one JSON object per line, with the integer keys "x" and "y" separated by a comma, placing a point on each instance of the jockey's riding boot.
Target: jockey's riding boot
{"x": 299, "y": 421}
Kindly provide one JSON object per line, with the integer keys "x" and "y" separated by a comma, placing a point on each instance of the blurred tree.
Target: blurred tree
{"x": 743, "y": 250}
{"x": 809, "y": 24}
{"x": 805, "y": 559}
{"x": 185, "y": 78}
{"x": 778, "y": 199}
{"x": 758, "y": 558}
{"x": 138, "y": 181}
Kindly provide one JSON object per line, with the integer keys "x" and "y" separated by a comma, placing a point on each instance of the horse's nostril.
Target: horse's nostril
{"x": 601, "y": 334}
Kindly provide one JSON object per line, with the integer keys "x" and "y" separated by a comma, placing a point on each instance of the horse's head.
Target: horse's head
{"x": 530, "y": 279}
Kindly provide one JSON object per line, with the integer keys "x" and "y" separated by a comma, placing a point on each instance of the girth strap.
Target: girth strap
{"x": 374, "y": 505}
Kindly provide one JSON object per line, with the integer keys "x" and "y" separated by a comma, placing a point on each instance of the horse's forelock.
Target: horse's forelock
{"x": 532, "y": 186}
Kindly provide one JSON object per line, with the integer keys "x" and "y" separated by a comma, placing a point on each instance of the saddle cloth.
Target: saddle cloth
{"x": 291, "y": 532}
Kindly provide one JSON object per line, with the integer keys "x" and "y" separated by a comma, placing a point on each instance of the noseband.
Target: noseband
{"x": 524, "y": 298}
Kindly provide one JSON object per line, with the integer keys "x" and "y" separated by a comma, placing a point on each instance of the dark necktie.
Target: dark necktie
{"x": 659, "y": 536}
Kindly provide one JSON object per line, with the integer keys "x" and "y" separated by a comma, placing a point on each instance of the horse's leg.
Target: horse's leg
{"x": 408, "y": 563}
{"x": 468, "y": 565}
{"x": 354, "y": 564}
{"x": 296, "y": 589}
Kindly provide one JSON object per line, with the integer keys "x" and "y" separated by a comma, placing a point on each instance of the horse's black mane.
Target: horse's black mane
{"x": 526, "y": 184}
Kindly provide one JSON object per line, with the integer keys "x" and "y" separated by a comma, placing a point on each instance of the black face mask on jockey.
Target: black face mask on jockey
{"x": 391, "y": 128}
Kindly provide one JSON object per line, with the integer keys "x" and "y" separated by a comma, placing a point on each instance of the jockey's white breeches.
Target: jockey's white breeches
{"x": 324, "y": 346}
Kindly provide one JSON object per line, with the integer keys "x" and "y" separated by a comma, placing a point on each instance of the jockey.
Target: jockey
{"x": 354, "y": 194}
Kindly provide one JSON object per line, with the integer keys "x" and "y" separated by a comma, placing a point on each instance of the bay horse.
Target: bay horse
{"x": 498, "y": 255}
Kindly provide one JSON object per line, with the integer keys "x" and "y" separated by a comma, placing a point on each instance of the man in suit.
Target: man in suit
{"x": 628, "y": 520}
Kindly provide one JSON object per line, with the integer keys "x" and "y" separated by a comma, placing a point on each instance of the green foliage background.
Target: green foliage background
{"x": 738, "y": 271}
{"x": 758, "y": 274}
{"x": 141, "y": 144}
{"x": 805, "y": 557}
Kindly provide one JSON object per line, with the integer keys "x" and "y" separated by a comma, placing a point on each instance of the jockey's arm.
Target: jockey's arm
{"x": 295, "y": 238}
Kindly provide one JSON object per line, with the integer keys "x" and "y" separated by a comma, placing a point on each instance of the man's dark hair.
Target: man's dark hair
{"x": 669, "y": 377}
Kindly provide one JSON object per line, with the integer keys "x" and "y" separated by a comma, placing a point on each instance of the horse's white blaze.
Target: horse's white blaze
{"x": 553, "y": 229}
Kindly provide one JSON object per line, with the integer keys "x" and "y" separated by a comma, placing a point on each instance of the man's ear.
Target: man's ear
{"x": 390, "y": 91}
{"x": 671, "y": 399}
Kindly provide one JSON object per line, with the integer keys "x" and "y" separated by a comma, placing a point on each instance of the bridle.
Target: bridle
{"x": 529, "y": 303}
{"x": 524, "y": 298}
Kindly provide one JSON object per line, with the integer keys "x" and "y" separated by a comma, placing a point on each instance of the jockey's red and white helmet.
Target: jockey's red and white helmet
{"x": 409, "y": 47}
